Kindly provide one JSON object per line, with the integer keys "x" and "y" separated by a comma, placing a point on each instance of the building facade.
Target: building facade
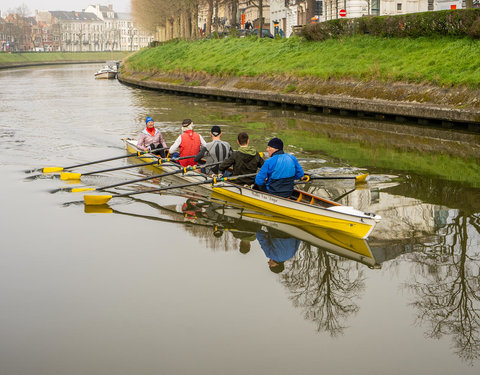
{"x": 97, "y": 28}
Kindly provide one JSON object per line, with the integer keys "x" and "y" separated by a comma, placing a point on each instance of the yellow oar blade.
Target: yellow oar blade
{"x": 52, "y": 169}
{"x": 96, "y": 200}
{"x": 70, "y": 176}
{"x": 79, "y": 190}
{"x": 102, "y": 209}
{"x": 362, "y": 178}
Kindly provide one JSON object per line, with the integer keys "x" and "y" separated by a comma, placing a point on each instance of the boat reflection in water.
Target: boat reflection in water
{"x": 313, "y": 263}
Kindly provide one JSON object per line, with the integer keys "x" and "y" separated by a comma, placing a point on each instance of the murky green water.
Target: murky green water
{"x": 179, "y": 284}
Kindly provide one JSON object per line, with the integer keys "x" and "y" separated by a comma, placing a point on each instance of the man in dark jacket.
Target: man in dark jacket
{"x": 244, "y": 161}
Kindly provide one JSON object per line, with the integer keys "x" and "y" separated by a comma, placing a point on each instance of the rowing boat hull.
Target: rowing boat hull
{"x": 331, "y": 240}
{"x": 340, "y": 218}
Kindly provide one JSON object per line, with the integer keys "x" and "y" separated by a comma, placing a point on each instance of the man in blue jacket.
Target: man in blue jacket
{"x": 279, "y": 172}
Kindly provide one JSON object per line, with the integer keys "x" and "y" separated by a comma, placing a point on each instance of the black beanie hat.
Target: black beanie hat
{"x": 276, "y": 143}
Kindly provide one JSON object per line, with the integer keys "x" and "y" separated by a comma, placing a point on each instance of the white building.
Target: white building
{"x": 111, "y": 37}
{"x": 79, "y": 31}
{"x": 97, "y": 28}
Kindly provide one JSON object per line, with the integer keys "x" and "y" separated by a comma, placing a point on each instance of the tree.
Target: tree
{"x": 324, "y": 286}
{"x": 259, "y": 5}
{"x": 310, "y": 9}
{"x": 447, "y": 287}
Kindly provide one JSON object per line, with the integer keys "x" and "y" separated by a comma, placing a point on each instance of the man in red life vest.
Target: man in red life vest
{"x": 188, "y": 142}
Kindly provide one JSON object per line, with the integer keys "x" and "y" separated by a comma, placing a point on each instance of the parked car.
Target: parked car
{"x": 265, "y": 33}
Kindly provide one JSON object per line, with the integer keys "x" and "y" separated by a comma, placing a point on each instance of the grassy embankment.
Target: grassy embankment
{"x": 45, "y": 57}
{"x": 442, "y": 61}
{"x": 439, "y": 62}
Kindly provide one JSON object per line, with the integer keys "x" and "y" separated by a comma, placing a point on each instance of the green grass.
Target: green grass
{"x": 365, "y": 155}
{"x": 15, "y": 58}
{"x": 443, "y": 61}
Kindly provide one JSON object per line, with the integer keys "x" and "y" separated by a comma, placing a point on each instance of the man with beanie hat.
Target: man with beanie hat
{"x": 214, "y": 151}
{"x": 244, "y": 161}
{"x": 279, "y": 172}
{"x": 188, "y": 142}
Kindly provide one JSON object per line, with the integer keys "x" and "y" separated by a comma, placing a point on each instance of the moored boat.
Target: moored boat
{"x": 106, "y": 72}
{"x": 302, "y": 206}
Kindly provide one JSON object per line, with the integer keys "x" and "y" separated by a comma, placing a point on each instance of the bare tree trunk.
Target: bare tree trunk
{"x": 310, "y": 11}
{"x": 183, "y": 24}
{"x": 216, "y": 16}
{"x": 194, "y": 22}
{"x": 233, "y": 19}
{"x": 170, "y": 28}
{"x": 260, "y": 16}
{"x": 208, "y": 28}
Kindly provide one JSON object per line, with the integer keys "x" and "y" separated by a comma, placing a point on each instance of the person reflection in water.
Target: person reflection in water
{"x": 278, "y": 247}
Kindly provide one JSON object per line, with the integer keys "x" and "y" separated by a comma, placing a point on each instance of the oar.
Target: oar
{"x": 102, "y": 199}
{"x": 77, "y": 176}
{"x": 59, "y": 169}
{"x": 361, "y": 178}
{"x": 183, "y": 170}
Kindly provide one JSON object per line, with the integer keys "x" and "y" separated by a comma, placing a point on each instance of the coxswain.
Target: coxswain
{"x": 151, "y": 138}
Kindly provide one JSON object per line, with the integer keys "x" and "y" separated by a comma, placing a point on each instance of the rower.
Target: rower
{"x": 215, "y": 151}
{"x": 188, "y": 142}
{"x": 245, "y": 160}
{"x": 279, "y": 172}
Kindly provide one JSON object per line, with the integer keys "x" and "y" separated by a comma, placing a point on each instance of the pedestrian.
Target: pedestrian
{"x": 248, "y": 25}
{"x": 188, "y": 143}
{"x": 246, "y": 160}
{"x": 214, "y": 151}
{"x": 151, "y": 138}
{"x": 279, "y": 172}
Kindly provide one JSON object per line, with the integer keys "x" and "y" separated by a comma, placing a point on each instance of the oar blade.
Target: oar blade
{"x": 52, "y": 169}
{"x": 96, "y": 200}
{"x": 70, "y": 176}
{"x": 102, "y": 209}
{"x": 362, "y": 178}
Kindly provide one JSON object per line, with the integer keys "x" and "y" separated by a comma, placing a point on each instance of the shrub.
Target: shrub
{"x": 459, "y": 22}
{"x": 474, "y": 30}
{"x": 154, "y": 43}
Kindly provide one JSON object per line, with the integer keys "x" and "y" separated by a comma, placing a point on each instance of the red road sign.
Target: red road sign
{"x": 342, "y": 12}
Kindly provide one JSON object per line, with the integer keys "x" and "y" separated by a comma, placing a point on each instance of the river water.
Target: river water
{"x": 179, "y": 283}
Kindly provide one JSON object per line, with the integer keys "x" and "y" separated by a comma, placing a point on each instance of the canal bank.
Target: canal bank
{"x": 239, "y": 89}
{"x": 426, "y": 80}
{"x": 27, "y": 59}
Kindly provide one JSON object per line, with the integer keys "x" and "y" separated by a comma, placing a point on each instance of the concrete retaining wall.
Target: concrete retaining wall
{"x": 425, "y": 114}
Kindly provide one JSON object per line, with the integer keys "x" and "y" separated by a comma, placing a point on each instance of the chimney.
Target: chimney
{"x": 110, "y": 7}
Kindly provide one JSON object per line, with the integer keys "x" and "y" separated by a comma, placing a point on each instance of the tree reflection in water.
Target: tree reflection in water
{"x": 325, "y": 287}
{"x": 447, "y": 286}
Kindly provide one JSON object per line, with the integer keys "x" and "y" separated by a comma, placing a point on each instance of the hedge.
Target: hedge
{"x": 459, "y": 22}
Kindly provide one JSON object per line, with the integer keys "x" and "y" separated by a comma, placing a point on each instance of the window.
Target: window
{"x": 375, "y": 7}
{"x": 399, "y": 6}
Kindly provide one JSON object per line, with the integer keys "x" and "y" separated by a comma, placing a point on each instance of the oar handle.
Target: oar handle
{"x": 184, "y": 170}
{"x": 105, "y": 160}
{"x": 333, "y": 178}
{"x": 120, "y": 168}
{"x": 208, "y": 181}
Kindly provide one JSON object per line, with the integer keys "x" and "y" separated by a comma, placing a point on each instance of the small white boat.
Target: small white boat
{"x": 107, "y": 72}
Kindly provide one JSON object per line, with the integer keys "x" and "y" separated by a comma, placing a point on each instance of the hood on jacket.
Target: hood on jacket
{"x": 249, "y": 150}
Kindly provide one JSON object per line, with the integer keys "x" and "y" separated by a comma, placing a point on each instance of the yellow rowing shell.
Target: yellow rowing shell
{"x": 307, "y": 208}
